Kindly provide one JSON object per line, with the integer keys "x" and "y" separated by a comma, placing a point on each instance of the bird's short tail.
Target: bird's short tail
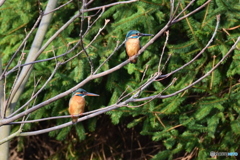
{"x": 74, "y": 120}
{"x": 134, "y": 61}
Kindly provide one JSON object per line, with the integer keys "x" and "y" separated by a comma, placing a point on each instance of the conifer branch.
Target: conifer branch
{"x": 22, "y": 79}
{"x": 47, "y": 43}
{"x": 39, "y": 91}
{"x": 64, "y": 54}
{"x": 200, "y": 53}
{"x": 3, "y": 74}
{"x": 82, "y": 17}
{"x": 124, "y": 100}
{"x": 57, "y": 8}
{"x": 59, "y": 31}
{"x": 116, "y": 48}
{"x": 197, "y": 81}
{"x": 91, "y": 77}
{"x": 94, "y": 113}
{"x": 189, "y": 14}
{"x": 166, "y": 107}
{"x": 91, "y": 25}
{"x": 184, "y": 9}
{"x": 95, "y": 37}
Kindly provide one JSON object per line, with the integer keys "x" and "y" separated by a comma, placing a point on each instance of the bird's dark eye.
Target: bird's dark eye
{"x": 137, "y": 34}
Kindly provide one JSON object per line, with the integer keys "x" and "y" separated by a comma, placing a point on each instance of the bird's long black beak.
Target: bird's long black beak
{"x": 145, "y": 34}
{"x": 91, "y": 94}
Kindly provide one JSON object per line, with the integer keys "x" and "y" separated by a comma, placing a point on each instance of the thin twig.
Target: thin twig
{"x": 163, "y": 51}
{"x": 44, "y": 85}
{"x": 185, "y": 8}
{"x": 20, "y": 47}
{"x": 91, "y": 77}
{"x": 154, "y": 97}
{"x": 196, "y": 10}
{"x": 99, "y": 31}
{"x": 116, "y": 48}
{"x": 81, "y": 36}
{"x": 89, "y": 17}
{"x": 197, "y": 81}
{"x": 200, "y": 53}
{"x": 58, "y": 7}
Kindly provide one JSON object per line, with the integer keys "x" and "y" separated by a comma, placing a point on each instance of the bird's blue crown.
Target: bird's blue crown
{"x": 132, "y": 32}
{"x": 81, "y": 91}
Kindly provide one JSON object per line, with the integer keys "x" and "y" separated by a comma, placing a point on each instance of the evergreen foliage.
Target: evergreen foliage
{"x": 202, "y": 119}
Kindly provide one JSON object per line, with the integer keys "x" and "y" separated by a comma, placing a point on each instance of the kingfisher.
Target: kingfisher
{"x": 132, "y": 44}
{"x": 77, "y": 103}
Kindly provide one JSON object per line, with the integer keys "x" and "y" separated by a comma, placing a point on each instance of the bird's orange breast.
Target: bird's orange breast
{"x": 132, "y": 46}
{"x": 76, "y": 105}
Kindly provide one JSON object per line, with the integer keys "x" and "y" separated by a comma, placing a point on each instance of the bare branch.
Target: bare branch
{"x": 2, "y": 2}
{"x": 91, "y": 77}
{"x": 58, "y": 7}
{"x": 99, "y": 31}
{"x": 185, "y": 8}
{"x": 189, "y": 86}
{"x": 20, "y": 47}
{"x": 125, "y": 98}
{"x": 81, "y": 36}
{"x": 163, "y": 50}
{"x": 116, "y": 48}
{"x": 200, "y": 53}
{"x": 189, "y": 14}
{"x": 39, "y": 91}
{"x": 33, "y": 54}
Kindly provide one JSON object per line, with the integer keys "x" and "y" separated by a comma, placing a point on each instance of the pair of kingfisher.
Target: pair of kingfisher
{"x": 77, "y": 102}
